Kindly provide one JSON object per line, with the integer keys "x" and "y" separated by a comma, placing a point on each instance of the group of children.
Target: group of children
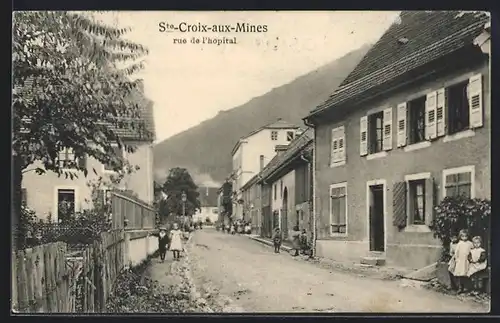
{"x": 468, "y": 262}
{"x": 171, "y": 241}
{"x": 238, "y": 227}
{"x": 299, "y": 241}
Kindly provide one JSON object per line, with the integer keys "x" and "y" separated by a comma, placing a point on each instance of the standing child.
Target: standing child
{"x": 477, "y": 265}
{"x": 296, "y": 240}
{"x": 176, "y": 241}
{"x": 452, "y": 262}
{"x": 277, "y": 240}
{"x": 162, "y": 243}
{"x": 303, "y": 241}
{"x": 462, "y": 251}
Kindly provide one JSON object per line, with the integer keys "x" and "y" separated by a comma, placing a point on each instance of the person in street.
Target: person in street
{"x": 277, "y": 238}
{"x": 303, "y": 242}
{"x": 248, "y": 228}
{"x": 452, "y": 262}
{"x": 175, "y": 241}
{"x": 477, "y": 265}
{"x": 162, "y": 243}
{"x": 200, "y": 224}
{"x": 296, "y": 240}
{"x": 233, "y": 228}
{"x": 462, "y": 251}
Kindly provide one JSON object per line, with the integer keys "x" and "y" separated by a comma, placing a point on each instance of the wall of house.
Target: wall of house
{"x": 140, "y": 247}
{"x": 206, "y": 212}
{"x": 42, "y": 189}
{"x": 288, "y": 181}
{"x": 408, "y": 247}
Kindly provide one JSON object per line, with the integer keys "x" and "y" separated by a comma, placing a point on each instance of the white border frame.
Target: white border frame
{"x": 374, "y": 182}
{"x": 112, "y": 172}
{"x": 457, "y": 170}
{"x": 75, "y": 188}
{"x": 410, "y": 227}
{"x": 338, "y": 234}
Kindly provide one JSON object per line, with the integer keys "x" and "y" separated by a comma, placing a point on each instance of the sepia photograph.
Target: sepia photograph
{"x": 201, "y": 162}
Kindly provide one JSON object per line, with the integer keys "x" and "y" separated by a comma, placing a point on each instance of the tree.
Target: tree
{"x": 68, "y": 92}
{"x": 180, "y": 181}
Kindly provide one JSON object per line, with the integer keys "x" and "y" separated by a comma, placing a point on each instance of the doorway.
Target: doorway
{"x": 376, "y": 217}
{"x": 284, "y": 214}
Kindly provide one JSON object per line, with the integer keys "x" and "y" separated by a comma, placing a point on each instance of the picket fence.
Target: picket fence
{"x": 139, "y": 215}
{"x": 46, "y": 280}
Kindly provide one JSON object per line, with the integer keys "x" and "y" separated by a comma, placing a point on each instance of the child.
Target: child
{"x": 277, "y": 240}
{"x": 452, "y": 262}
{"x": 477, "y": 265}
{"x": 296, "y": 240}
{"x": 303, "y": 241}
{"x": 162, "y": 243}
{"x": 461, "y": 256}
{"x": 176, "y": 241}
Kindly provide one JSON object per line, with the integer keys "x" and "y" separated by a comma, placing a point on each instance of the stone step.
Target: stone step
{"x": 373, "y": 261}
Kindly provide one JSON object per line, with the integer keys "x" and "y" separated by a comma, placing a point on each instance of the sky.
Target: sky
{"x": 190, "y": 83}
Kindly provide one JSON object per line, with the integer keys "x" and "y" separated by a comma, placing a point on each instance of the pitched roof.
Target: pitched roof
{"x": 420, "y": 38}
{"x": 279, "y": 124}
{"x": 208, "y": 196}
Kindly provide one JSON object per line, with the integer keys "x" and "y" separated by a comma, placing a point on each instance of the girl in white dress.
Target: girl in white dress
{"x": 477, "y": 265}
{"x": 462, "y": 251}
{"x": 175, "y": 241}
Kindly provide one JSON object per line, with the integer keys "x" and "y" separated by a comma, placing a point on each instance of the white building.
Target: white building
{"x": 252, "y": 153}
{"x": 209, "y": 206}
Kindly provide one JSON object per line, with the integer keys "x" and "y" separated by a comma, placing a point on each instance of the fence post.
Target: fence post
{"x": 126, "y": 250}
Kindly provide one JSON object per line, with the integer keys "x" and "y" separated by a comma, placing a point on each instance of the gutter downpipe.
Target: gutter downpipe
{"x": 313, "y": 204}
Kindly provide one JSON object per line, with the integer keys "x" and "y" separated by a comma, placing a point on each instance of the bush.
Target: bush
{"x": 456, "y": 213}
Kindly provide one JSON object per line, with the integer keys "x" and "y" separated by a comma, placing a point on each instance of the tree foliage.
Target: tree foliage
{"x": 179, "y": 181}
{"x": 456, "y": 213}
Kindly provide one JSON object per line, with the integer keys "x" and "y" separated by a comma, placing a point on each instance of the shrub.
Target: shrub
{"x": 456, "y": 213}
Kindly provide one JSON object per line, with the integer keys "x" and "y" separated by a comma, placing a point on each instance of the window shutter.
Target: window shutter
{"x": 430, "y": 116}
{"x": 399, "y": 204}
{"x": 429, "y": 200}
{"x": 363, "y": 140}
{"x": 441, "y": 113}
{"x": 476, "y": 101}
{"x": 387, "y": 137}
{"x": 334, "y": 147}
{"x": 341, "y": 144}
{"x": 82, "y": 162}
{"x": 401, "y": 113}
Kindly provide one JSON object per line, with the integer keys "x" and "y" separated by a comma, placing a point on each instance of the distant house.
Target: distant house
{"x": 410, "y": 125}
{"x": 253, "y": 151}
{"x": 208, "y": 199}
{"x": 45, "y": 193}
{"x": 224, "y": 202}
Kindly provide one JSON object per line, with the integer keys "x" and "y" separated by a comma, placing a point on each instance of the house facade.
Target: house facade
{"x": 45, "y": 193}
{"x": 252, "y": 207}
{"x": 252, "y": 152}
{"x": 225, "y": 193}
{"x": 410, "y": 125}
{"x": 286, "y": 188}
{"x": 208, "y": 200}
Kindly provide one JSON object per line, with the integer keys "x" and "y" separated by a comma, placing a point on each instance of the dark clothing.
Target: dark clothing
{"x": 277, "y": 239}
{"x": 162, "y": 245}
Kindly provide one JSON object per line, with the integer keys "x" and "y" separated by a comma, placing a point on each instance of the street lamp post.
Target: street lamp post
{"x": 183, "y": 198}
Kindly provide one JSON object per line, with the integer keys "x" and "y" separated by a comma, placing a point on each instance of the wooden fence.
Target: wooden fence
{"x": 139, "y": 215}
{"x": 46, "y": 280}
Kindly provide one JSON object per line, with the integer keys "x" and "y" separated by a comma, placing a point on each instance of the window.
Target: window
{"x": 337, "y": 154}
{"x": 458, "y": 107}
{"x": 66, "y": 159}
{"x": 65, "y": 204}
{"x": 281, "y": 189}
{"x": 416, "y": 122}
{"x": 289, "y": 135}
{"x": 417, "y": 201}
{"x": 274, "y": 191}
{"x": 274, "y": 135}
{"x": 338, "y": 208}
{"x": 457, "y": 184}
{"x": 119, "y": 153}
{"x": 375, "y": 132}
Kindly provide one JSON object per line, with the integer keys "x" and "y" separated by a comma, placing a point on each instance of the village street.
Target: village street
{"x": 257, "y": 280}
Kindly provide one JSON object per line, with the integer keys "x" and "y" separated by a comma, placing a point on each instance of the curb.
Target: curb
{"x": 269, "y": 243}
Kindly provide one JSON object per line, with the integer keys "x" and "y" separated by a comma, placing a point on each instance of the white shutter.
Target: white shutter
{"x": 441, "y": 113}
{"x": 430, "y": 116}
{"x": 387, "y": 141}
{"x": 334, "y": 146}
{"x": 363, "y": 139}
{"x": 341, "y": 144}
{"x": 401, "y": 124}
{"x": 476, "y": 101}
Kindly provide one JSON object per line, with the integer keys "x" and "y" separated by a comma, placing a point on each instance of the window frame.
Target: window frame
{"x": 449, "y": 110}
{"x": 291, "y": 135}
{"x": 124, "y": 156}
{"x": 274, "y": 135}
{"x": 372, "y": 132}
{"x": 460, "y": 170}
{"x": 412, "y": 201}
{"x": 411, "y": 120}
{"x": 55, "y": 208}
{"x": 75, "y": 159}
{"x": 330, "y": 224}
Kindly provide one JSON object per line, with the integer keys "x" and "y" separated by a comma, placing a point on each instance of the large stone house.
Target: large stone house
{"x": 252, "y": 152}
{"x": 45, "y": 193}
{"x": 410, "y": 125}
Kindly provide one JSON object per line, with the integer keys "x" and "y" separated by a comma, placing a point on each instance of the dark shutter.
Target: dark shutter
{"x": 399, "y": 204}
{"x": 82, "y": 161}
{"x": 24, "y": 197}
{"x": 430, "y": 198}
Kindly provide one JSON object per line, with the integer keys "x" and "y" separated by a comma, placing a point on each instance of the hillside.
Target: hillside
{"x": 205, "y": 150}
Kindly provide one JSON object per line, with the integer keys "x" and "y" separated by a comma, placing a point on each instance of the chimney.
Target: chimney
{"x": 261, "y": 162}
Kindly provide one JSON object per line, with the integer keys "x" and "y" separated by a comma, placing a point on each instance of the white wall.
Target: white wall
{"x": 206, "y": 212}
{"x": 140, "y": 249}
